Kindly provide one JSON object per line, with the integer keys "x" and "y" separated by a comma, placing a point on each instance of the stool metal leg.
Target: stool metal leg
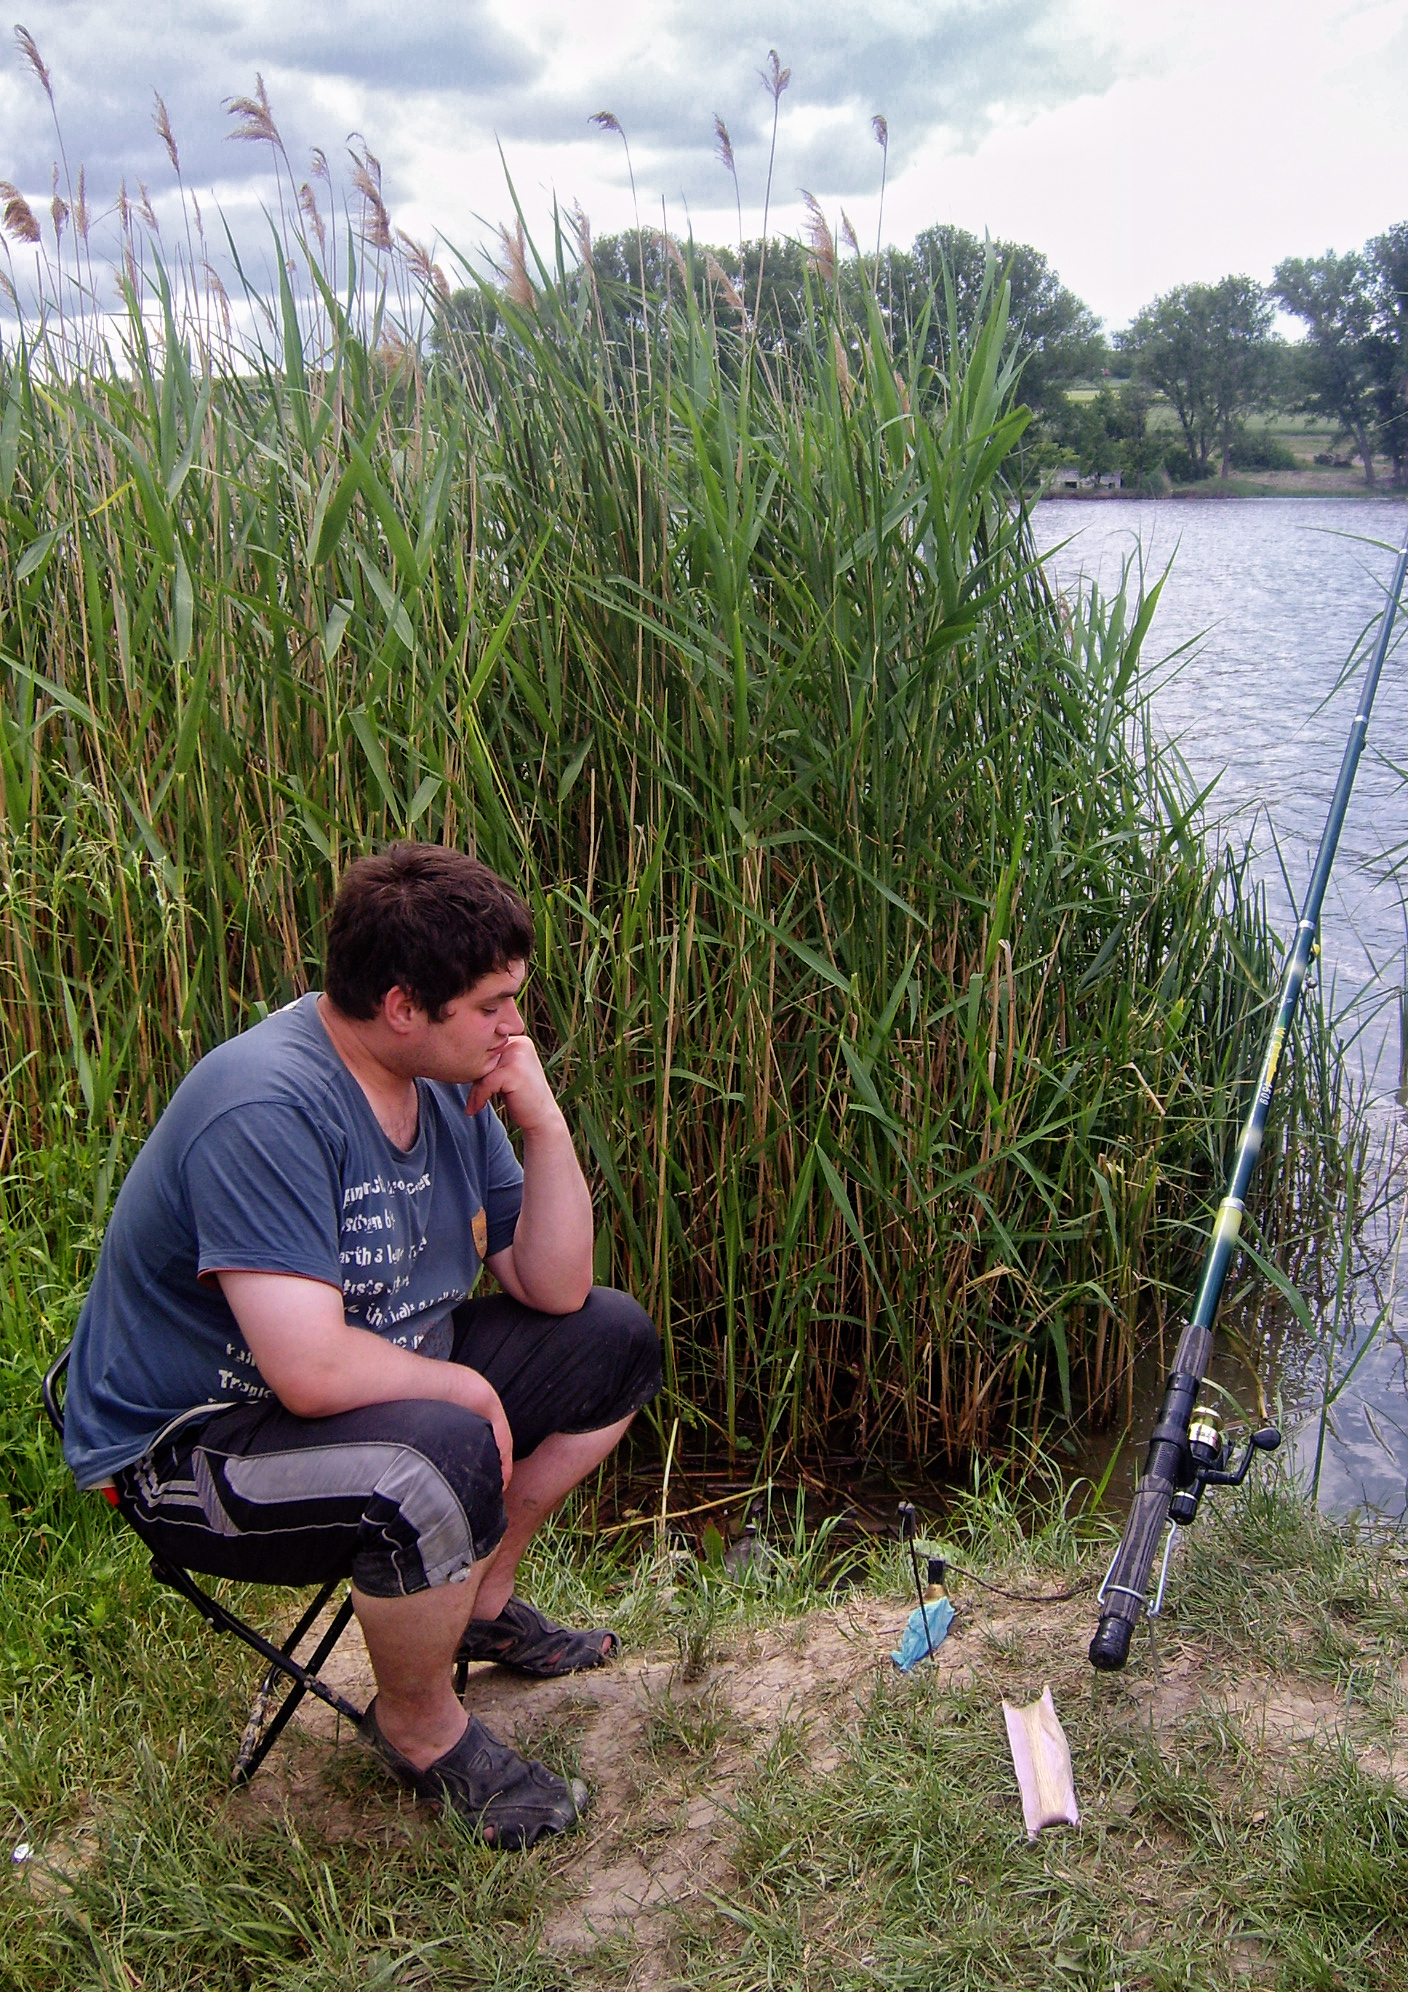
{"x": 304, "y": 1678}
{"x": 260, "y": 1732}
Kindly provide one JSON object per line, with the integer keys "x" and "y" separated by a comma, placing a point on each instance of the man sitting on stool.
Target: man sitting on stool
{"x": 279, "y": 1365}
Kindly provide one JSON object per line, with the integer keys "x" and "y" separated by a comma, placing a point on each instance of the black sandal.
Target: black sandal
{"x": 511, "y": 1801}
{"x": 522, "y": 1638}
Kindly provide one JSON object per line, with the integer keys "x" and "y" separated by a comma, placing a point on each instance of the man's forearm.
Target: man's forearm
{"x": 552, "y": 1245}
{"x": 347, "y": 1370}
{"x": 317, "y": 1364}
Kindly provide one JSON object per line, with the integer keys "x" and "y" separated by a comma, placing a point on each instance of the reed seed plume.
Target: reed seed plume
{"x": 146, "y": 210}
{"x": 124, "y": 208}
{"x": 581, "y": 228}
{"x": 220, "y": 294}
{"x": 427, "y": 274}
{"x": 848, "y": 233}
{"x": 881, "y": 130}
{"x": 58, "y": 207}
{"x": 672, "y": 251}
{"x": 80, "y": 207}
{"x": 308, "y": 203}
{"x": 164, "y": 132}
{"x": 819, "y": 238}
{"x": 725, "y": 149}
{"x": 318, "y": 165}
{"x": 775, "y": 78}
{"x": 256, "y": 121}
{"x": 366, "y": 178}
{"x": 20, "y": 224}
{"x": 369, "y": 169}
{"x": 30, "y": 51}
{"x": 843, "y": 370}
{"x": 719, "y": 276}
{"x": 517, "y": 284}
{"x": 606, "y": 121}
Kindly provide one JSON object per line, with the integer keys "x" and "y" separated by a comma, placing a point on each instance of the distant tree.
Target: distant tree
{"x": 1058, "y": 336}
{"x": 624, "y": 280}
{"x": 1386, "y": 257}
{"x": 1209, "y": 349}
{"x": 1341, "y": 364}
{"x": 1108, "y": 431}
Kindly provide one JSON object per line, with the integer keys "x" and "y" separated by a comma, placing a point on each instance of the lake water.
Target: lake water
{"x": 1264, "y": 604}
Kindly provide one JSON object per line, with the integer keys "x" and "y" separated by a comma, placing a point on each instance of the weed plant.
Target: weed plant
{"x": 902, "y": 1009}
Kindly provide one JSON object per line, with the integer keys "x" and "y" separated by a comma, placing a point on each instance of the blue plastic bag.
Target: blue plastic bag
{"x": 914, "y": 1647}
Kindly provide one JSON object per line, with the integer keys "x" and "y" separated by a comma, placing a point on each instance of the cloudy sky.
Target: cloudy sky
{"x": 1138, "y": 145}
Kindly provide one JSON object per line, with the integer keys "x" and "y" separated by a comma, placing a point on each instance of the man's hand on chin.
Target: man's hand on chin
{"x": 518, "y": 1079}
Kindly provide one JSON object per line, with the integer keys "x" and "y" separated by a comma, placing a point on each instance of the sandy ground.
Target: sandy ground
{"x": 663, "y": 1755}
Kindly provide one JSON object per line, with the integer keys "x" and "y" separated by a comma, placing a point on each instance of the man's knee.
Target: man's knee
{"x": 629, "y": 1344}
{"x": 437, "y": 1504}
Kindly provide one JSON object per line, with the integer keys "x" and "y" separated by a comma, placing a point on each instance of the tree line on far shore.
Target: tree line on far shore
{"x": 1211, "y": 350}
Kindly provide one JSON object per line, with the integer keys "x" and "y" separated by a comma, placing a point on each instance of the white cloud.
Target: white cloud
{"x": 1137, "y": 146}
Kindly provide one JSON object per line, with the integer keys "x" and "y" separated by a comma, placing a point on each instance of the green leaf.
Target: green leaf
{"x": 184, "y": 613}
{"x": 10, "y": 437}
{"x": 376, "y": 759}
{"x": 380, "y": 500}
{"x": 1103, "y": 1190}
{"x": 573, "y": 769}
{"x": 334, "y": 627}
{"x": 80, "y": 1054}
{"x": 1056, "y": 1332}
{"x": 497, "y": 640}
{"x": 330, "y": 516}
{"x": 35, "y": 554}
{"x": 181, "y": 469}
{"x": 194, "y": 715}
{"x": 425, "y": 794}
{"x": 394, "y": 609}
{"x": 55, "y": 692}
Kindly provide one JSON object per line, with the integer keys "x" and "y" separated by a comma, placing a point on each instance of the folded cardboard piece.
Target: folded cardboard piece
{"x": 1041, "y": 1758}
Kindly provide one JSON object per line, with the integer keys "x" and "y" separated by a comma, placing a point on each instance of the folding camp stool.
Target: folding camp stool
{"x": 268, "y": 1715}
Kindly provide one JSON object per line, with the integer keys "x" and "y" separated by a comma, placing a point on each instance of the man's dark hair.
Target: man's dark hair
{"x": 423, "y": 919}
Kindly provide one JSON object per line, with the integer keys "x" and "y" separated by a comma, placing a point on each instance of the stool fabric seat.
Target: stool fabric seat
{"x": 269, "y": 1712}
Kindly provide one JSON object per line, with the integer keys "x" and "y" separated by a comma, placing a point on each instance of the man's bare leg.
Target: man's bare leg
{"x": 411, "y": 1644}
{"x": 540, "y": 1483}
{"x": 412, "y": 1641}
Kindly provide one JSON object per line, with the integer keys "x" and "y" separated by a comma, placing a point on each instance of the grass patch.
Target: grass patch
{"x": 797, "y": 1815}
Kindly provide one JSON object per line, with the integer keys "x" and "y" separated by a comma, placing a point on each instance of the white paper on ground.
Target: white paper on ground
{"x": 1041, "y": 1758}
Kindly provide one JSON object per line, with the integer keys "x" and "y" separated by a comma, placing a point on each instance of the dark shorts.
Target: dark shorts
{"x": 401, "y": 1496}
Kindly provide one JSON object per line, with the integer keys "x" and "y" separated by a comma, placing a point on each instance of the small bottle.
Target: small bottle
{"x": 927, "y": 1628}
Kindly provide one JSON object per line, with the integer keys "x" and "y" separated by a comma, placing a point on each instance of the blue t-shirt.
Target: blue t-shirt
{"x": 269, "y": 1159}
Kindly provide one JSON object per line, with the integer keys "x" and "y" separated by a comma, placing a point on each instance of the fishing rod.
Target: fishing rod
{"x": 1187, "y": 1451}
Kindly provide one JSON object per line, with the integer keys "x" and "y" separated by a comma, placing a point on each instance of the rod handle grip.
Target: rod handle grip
{"x": 1110, "y": 1647}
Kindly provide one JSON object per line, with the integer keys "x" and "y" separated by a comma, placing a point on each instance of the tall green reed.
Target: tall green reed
{"x": 899, "y": 1002}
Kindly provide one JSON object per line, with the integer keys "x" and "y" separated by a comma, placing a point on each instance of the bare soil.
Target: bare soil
{"x": 664, "y": 1755}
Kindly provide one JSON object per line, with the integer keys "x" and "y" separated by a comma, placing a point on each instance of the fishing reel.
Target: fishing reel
{"x": 1207, "y": 1454}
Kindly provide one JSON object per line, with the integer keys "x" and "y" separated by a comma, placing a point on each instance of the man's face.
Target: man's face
{"x": 469, "y": 1039}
